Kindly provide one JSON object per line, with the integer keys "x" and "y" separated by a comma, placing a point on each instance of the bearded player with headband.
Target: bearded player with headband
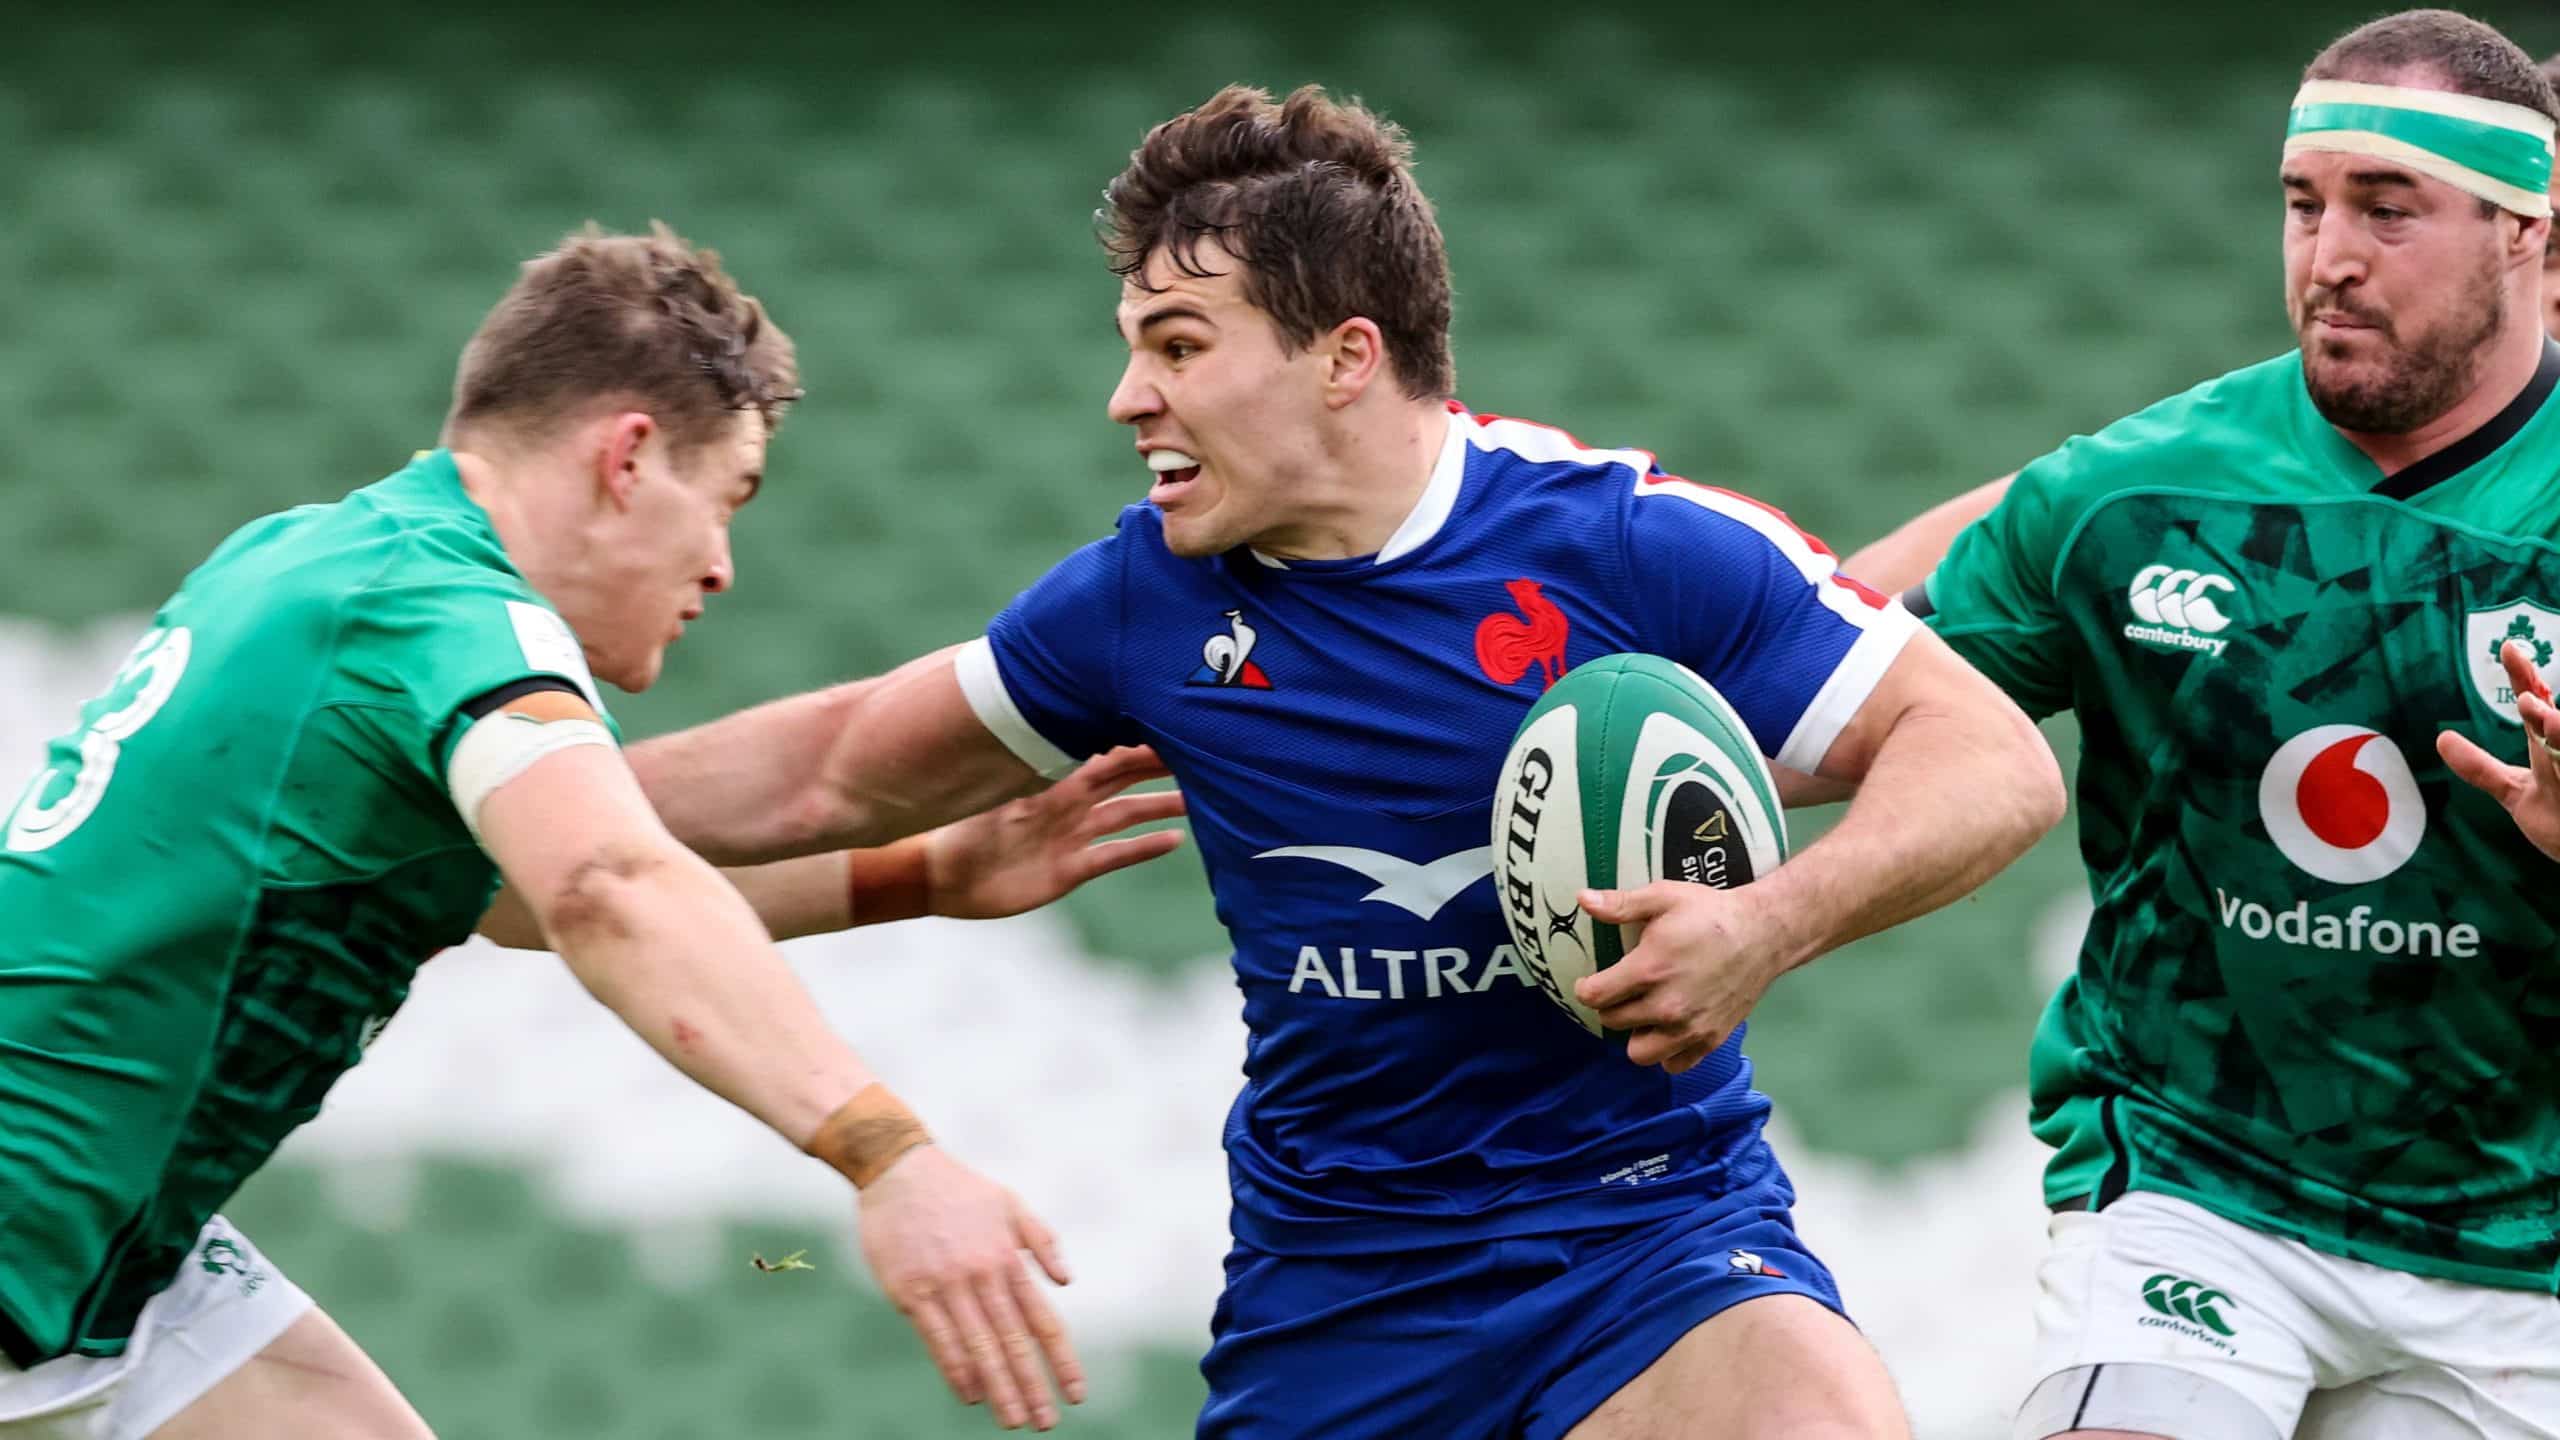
{"x": 2304, "y": 1088}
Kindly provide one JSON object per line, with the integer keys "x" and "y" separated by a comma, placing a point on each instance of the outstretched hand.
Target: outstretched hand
{"x": 1028, "y": 852}
{"x": 946, "y": 1245}
{"x": 2531, "y": 791}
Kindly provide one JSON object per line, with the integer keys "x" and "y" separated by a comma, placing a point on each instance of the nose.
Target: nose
{"x": 2339, "y": 251}
{"x": 1135, "y": 397}
{"x": 724, "y": 568}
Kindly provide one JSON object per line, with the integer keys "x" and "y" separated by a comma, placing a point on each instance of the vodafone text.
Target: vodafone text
{"x": 2358, "y": 931}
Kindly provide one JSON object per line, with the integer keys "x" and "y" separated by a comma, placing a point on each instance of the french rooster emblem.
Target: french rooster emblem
{"x": 1507, "y": 645}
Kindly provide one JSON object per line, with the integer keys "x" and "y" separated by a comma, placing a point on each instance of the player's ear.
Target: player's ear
{"x": 2532, "y": 242}
{"x": 1354, "y": 355}
{"x": 617, "y": 459}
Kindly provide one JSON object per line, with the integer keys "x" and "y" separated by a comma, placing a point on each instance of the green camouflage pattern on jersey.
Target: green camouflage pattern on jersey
{"x": 222, "y": 882}
{"x": 2320, "y": 994}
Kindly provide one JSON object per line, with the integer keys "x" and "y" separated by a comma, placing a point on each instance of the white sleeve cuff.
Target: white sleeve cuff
{"x": 983, "y": 682}
{"x": 1856, "y": 677}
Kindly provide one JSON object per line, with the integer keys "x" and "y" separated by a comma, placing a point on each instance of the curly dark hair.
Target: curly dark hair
{"x": 645, "y": 316}
{"x": 1315, "y": 198}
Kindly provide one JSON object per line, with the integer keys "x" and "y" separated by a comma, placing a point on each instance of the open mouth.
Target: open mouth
{"x": 1175, "y": 474}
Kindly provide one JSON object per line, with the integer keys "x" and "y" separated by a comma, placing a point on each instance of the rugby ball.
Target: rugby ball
{"x": 1631, "y": 769}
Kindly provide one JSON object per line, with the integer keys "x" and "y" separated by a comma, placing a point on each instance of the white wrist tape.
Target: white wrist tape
{"x": 502, "y": 745}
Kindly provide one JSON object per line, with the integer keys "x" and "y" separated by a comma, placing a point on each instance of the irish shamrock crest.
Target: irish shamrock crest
{"x": 2486, "y": 632}
{"x": 2521, "y": 628}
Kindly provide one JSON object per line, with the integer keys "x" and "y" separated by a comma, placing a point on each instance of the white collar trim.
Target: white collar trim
{"x": 1439, "y": 496}
{"x": 1429, "y": 513}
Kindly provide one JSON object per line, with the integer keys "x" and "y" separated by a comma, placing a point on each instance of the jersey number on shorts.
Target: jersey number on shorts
{"x": 150, "y": 673}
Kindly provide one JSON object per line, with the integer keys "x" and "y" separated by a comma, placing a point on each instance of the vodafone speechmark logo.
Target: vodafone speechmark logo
{"x": 2340, "y": 802}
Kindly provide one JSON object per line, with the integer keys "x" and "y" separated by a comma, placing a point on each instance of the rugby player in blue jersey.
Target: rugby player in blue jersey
{"x": 1456, "y": 1214}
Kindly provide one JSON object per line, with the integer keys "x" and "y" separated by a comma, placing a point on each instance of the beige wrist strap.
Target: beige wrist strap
{"x": 867, "y": 1134}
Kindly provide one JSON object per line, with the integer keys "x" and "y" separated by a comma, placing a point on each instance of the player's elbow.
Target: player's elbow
{"x": 813, "y": 817}
{"x": 838, "y": 807}
{"x": 2050, "y": 797}
{"x": 2028, "y": 774}
{"x": 819, "y": 801}
{"x": 897, "y": 763}
{"x": 598, "y": 898}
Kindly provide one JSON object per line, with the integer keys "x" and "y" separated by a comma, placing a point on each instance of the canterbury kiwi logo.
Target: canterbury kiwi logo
{"x": 219, "y": 1256}
{"x": 2166, "y": 595}
{"x": 2182, "y": 1299}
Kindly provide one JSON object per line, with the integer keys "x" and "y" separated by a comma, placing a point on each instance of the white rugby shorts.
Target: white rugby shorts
{"x": 225, "y": 1305}
{"x": 2160, "y": 1317}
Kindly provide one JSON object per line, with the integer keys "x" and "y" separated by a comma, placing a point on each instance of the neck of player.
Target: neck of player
{"x": 1374, "y": 468}
{"x": 499, "y": 483}
{"x": 2507, "y": 369}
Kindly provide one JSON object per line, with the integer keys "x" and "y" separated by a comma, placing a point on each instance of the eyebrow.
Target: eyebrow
{"x": 1166, "y": 315}
{"x": 2361, "y": 179}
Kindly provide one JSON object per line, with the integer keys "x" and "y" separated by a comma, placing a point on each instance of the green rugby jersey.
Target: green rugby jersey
{"x": 2321, "y": 991}
{"x": 219, "y": 886}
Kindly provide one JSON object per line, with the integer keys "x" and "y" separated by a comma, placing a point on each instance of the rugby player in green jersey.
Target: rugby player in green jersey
{"x": 2304, "y": 1086}
{"x": 309, "y": 777}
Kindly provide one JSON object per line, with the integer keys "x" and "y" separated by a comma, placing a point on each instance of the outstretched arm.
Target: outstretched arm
{"x": 656, "y": 935}
{"x": 1016, "y": 857}
{"x": 811, "y": 895}
{"x": 858, "y": 764}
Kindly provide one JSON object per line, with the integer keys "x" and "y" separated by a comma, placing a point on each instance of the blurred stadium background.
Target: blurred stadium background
{"x": 1847, "y": 258}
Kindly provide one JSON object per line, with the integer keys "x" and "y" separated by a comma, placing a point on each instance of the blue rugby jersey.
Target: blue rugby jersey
{"x": 1338, "y": 727}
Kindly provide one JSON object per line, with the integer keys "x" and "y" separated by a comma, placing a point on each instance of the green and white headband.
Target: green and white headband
{"x": 2497, "y": 151}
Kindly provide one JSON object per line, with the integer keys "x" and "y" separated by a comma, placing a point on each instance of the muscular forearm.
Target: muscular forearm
{"x": 663, "y": 942}
{"x": 746, "y": 789}
{"x": 1948, "y": 803}
{"x": 812, "y": 895}
{"x": 857, "y": 766}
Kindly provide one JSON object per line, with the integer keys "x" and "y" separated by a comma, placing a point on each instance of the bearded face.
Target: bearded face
{"x": 2381, "y": 369}
{"x": 2397, "y": 286}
